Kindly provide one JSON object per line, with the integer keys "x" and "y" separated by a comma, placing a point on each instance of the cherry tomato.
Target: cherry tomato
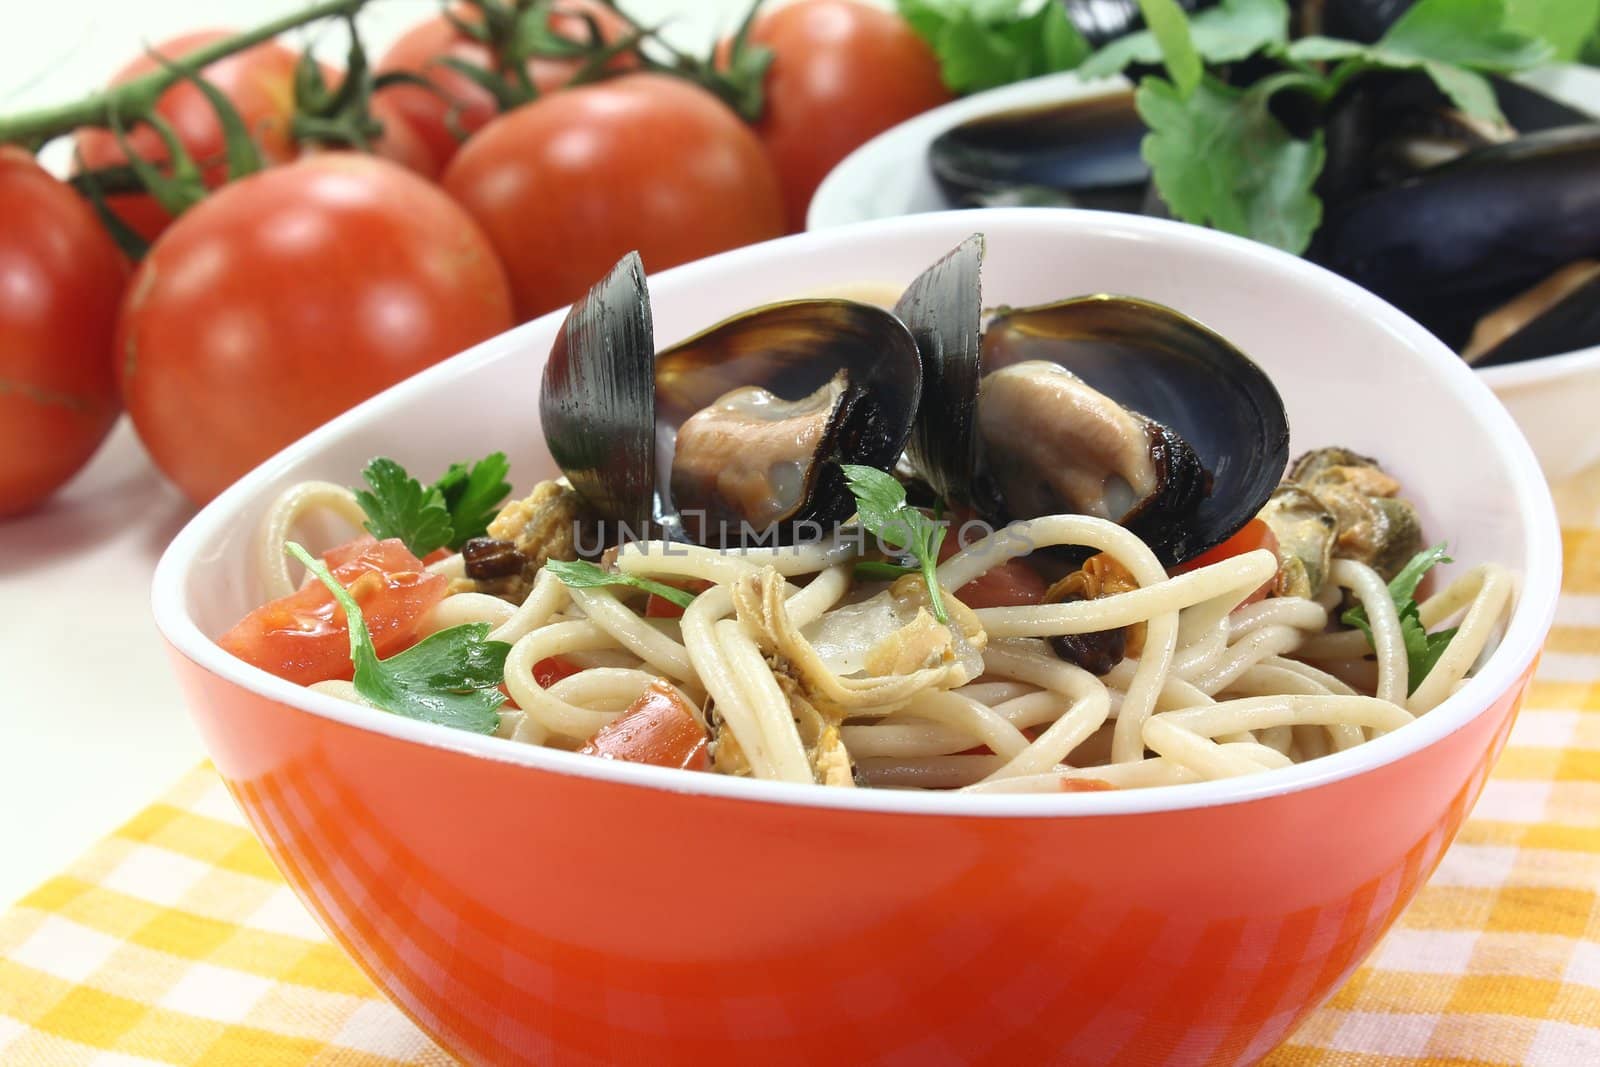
{"x": 420, "y": 49}
{"x": 566, "y": 185}
{"x": 304, "y": 637}
{"x": 399, "y": 142}
{"x": 659, "y": 607}
{"x": 284, "y": 299}
{"x": 259, "y": 82}
{"x": 1251, "y": 536}
{"x": 1010, "y": 584}
{"x": 60, "y": 280}
{"x": 552, "y": 669}
{"x": 842, "y": 72}
{"x": 657, "y": 728}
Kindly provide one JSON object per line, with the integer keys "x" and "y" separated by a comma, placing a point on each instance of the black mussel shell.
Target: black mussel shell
{"x": 1185, "y": 379}
{"x": 1459, "y": 240}
{"x": 943, "y": 308}
{"x": 792, "y": 350}
{"x": 1566, "y": 323}
{"x": 1085, "y": 150}
{"x": 597, "y": 401}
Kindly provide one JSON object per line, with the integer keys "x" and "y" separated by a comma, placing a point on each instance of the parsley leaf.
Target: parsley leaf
{"x": 1169, "y": 26}
{"x": 1448, "y": 40}
{"x": 450, "y": 677}
{"x": 881, "y": 506}
{"x": 474, "y": 495}
{"x": 1220, "y": 158}
{"x": 1564, "y": 24}
{"x": 397, "y": 505}
{"x": 1422, "y": 648}
{"x": 984, "y": 43}
{"x": 580, "y": 574}
{"x": 446, "y": 514}
{"x": 1226, "y": 33}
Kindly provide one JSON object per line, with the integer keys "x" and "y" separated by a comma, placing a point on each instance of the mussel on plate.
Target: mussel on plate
{"x": 1100, "y": 405}
{"x": 736, "y": 433}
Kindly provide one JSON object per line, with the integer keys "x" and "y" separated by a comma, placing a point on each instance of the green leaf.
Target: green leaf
{"x": 473, "y": 496}
{"x": 397, "y": 505}
{"x": 1422, "y": 648}
{"x": 1170, "y": 27}
{"x": 450, "y": 677}
{"x": 1232, "y": 31}
{"x": 580, "y": 574}
{"x": 877, "y": 570}
{"x": 1451, "y": 41}
{"x": 984, "y": 43}
{"x": 1566, "y": 25}
{"x": 1219, "y": 158}
{"x": 883, "y": 512}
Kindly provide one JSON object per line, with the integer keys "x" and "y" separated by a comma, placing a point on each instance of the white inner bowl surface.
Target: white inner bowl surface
{"x": 1352, "y": 371}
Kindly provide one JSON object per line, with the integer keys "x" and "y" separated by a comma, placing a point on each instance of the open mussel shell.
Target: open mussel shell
{"x": 755, "y": 414}
{"x": 1181, "y": 377}
{"x": 1086, "y": 149}
{"x": 597, "y": 401}
{"x": 1455, "y": 242}
{"x": 943, "y": 309}
{"x": 1206, "y": 419}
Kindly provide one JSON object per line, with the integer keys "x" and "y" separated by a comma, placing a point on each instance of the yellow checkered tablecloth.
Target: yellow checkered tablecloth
{"x": 174, "y": 941}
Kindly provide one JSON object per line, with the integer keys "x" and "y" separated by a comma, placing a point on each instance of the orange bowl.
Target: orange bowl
{"x": 526, "y": 905}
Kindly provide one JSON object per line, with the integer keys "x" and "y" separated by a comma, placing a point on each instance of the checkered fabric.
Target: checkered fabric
{"x": 175, "y": 941}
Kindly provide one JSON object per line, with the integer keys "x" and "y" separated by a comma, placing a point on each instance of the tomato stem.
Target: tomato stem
{"x": 135, "y": 100}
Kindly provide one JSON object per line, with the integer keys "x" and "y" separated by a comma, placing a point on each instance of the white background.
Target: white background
{"x": 91, "y": 724}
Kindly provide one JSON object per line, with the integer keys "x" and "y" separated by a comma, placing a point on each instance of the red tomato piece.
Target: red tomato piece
{"x": 1085, "y": 785}
{"x": 1253, "y": 535}
{"x": 1011, "y": 584}
{"x": 552, "y": 669}
{"x": 657, "y": 728}
{"x": 303, "y": 637}
{"x": 658, "y": 607}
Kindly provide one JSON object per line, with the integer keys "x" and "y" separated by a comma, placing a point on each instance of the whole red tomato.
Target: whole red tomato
{"x": 421, "y": 47}
{"x": 60, "y": 280}
{"x": 842, "y": 73}
{"x": 566, "y": 185}
{"x": 259, "y": 82}
{"x": 285, "y": 298}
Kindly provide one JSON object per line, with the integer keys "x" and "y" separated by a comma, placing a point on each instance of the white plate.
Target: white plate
{"x": 1553, "y": 399}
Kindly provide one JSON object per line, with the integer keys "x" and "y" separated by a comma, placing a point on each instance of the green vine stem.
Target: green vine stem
{"x": 136, "y": 99}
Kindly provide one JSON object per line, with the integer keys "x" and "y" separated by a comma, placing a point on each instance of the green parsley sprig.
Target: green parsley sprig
{"x": 883, "y": 512}
{"x": 450, "y": 677}
{"x": 580, "y": 574}
{"x": 446, "y": 514}
{"x": 1422, "y": 648}
{"x": 984, "y": 43}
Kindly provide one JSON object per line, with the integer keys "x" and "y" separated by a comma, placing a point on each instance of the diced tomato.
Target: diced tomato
{"x": 657, "y": 728}
{"x": 1085, "y": 785}
{"x": 1011, "y": 584}
{"x": 552, "y": 669}
{"x": 659, "y": 607}
{"x": 303, "y": 636}
{"x": 436, "y": 555}
{"x": 1253, "y": 535}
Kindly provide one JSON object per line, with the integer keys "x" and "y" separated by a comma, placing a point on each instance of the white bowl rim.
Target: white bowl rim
{"x": 1524, "y": 636}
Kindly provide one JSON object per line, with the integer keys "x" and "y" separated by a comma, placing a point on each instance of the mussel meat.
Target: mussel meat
{"x": 736, "y": 434}
{"x": 1098, "y": 405}
{"x": 1560, "y": 314}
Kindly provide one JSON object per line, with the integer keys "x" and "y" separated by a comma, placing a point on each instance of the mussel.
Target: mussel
{"x": 1101, "y": 405}
{"x": 1083, "y": 151}
{"x": 1560, "y": 314}
{"x": 735, "y": 434}
{"x": 1455, "y": 242}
